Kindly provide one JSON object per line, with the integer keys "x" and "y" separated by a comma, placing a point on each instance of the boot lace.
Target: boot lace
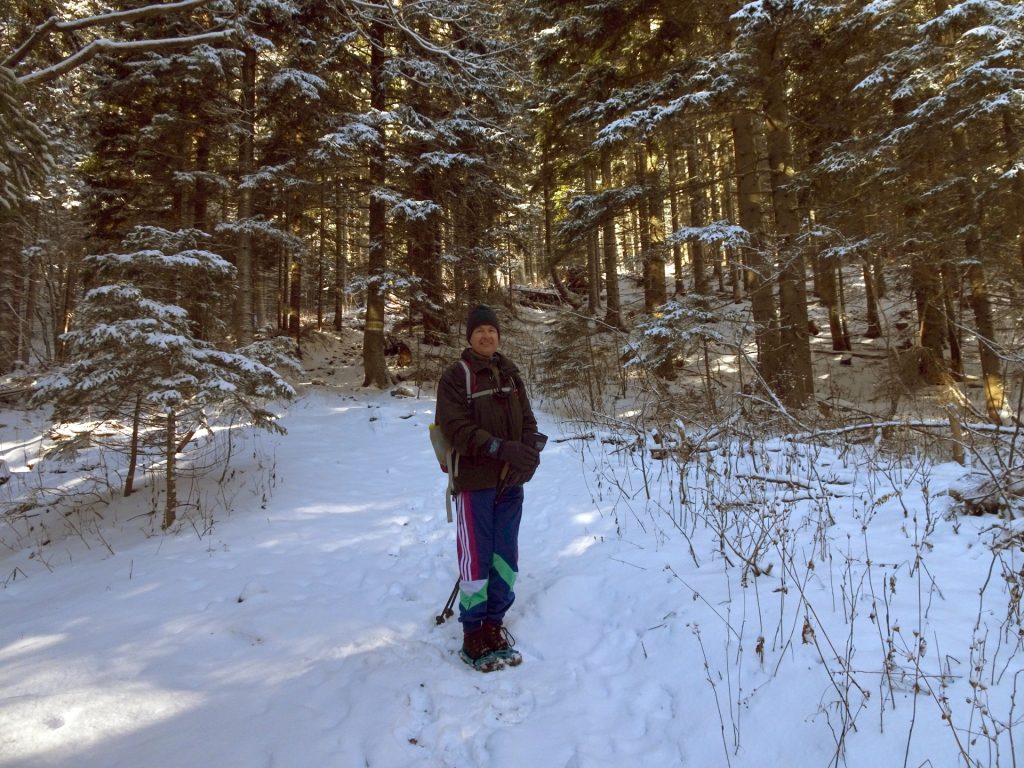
{"x": 500, "y": 639}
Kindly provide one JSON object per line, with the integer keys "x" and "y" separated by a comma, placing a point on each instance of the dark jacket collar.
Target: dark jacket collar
{"x": 478, "y": 363}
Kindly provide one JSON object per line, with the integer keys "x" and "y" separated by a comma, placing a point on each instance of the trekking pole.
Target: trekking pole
{"x": 502, "y": 482}
{"x": 447, "y": 613}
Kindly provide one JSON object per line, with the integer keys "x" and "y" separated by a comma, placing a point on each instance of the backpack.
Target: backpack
{"x": 447, "y": 456}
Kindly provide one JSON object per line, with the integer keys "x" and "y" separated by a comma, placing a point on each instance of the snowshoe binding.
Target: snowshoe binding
{"x": 502, "y": 643}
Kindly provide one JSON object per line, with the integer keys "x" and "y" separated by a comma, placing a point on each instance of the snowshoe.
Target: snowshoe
{"x": 489, "y": 662}
{"x": 477, "y": 651}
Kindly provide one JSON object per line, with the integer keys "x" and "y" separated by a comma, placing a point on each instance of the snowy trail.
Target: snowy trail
{"x": 304, "y": 634}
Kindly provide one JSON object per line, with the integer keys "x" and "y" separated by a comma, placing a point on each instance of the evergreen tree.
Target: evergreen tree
{"x": 137, "y": 355}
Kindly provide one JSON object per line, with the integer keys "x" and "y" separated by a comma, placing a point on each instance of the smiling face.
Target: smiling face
{"x": 484, "y": 340}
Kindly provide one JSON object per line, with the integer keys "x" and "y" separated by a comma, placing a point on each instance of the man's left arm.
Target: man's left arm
{"x": 529, "y": 420}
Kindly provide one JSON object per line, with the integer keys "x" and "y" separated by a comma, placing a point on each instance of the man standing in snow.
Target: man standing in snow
{"x": 484, "y": 413}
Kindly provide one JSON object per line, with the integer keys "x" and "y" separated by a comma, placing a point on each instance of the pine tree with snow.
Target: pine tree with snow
{"x": 138, "y": 356}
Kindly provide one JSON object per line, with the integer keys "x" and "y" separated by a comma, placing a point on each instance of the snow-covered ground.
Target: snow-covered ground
{"x": 299, "y": 629}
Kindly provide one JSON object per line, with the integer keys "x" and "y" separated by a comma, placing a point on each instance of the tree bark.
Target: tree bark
{"x": 613, "y": 309}
{"x": 698, "y": 218}
{"x": 27, "y": 316}
{"x": 795, "y": 348}
{"x": 133, "y": 448}
{"x": 980, "y": 301}
{"x": 828, "y": 282}
{"x": 1015, "y": 208}
{"x": 950, "y": 279}
{"x": 243, "y": 309}
{"x": 170, "y": 475}
{"x": 200, "y": 191}
{"x": 928, "y": 294}
{"x": 375, "y": 371}
{"x": 295, "y": 299}
{"x": 593, "y": 268}
{"x": 673, "y": 199}
{"x": 874, "y": 321}
{"x": 423, "y": 232}
{"x": 340, "y": 256}
{"x": 760, "y": 271}
{"x": 655, "y": 292}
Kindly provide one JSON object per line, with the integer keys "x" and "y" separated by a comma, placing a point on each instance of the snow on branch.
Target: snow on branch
{"x": 308, "y": 85}
{"x": 719, "y": 232}
{"x": 447, "y": 160}
{"x": 261, "y": 228}
{"x": 360, "y": 134}
{"x": 113, "y": 17}
{"x": 102, "y": 45}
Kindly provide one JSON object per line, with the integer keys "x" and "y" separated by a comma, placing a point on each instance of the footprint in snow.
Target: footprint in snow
{"x": 510, "y": 704}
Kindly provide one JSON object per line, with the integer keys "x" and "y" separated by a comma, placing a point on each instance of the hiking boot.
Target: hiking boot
{"x": 502, "y": 642}
{"x": 478, "y": 652}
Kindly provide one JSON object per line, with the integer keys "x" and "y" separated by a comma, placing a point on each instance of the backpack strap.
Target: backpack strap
{"x": 470, "y": 379}
{"x": 472, "y": 393}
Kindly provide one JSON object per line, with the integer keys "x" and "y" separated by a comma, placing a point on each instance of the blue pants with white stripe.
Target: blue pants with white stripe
{"x": 488, "y": 548}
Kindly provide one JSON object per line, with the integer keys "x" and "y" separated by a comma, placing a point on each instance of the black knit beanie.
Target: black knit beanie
{"x": 481, "y": 315}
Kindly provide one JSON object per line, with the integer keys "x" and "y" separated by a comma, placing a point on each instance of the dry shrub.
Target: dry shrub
{"x": 918, "y": 367}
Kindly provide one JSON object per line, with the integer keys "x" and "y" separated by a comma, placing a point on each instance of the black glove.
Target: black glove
{"x": 536, "y": 439}
{"x": 519, "y": 456}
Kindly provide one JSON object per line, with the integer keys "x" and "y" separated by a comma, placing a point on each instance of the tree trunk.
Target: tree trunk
{"x": 795, "y": 347}
{"x": 991, "y": 370}
{"x": 760, "y": 270}
{"x": 548, "y": 193}
{"x": 732, "y": 254}
{"x": 981, "y": 304}
{"x": 550, "y": 257}
{"x": 67, "y": 308}
{"x": 340, "y": 256}
{"x": 950, "y": 279}
{"x": 870, "y": 268}
{"x": 698, "y": 218}
{"x": 927, "y": 286}
{"x": 424, "y": 257}
{"x": 642, "y": 248}
{"x": 828, "y": 282}
{"x": 424, "y": 231}
{"x": 10, "y": 298}
{"x": 673, "y": 198}
{"x": 716, "y": 205}
{"x": 321, "y": 254}
{"x": 375, "y": 371}
{"x": 243, "y": 309}
{"x": 295, "y": 299}
{"x": 1015, "y": 208}
{"x": 878, "y": 273}
{"x": 170, "y": 475}
{"x": 31, "y": 266}
{"x": 613, "y": 309}
{"x": 655, "y": 292}
{"x": 200, "y": 193}
{"x": 133, "y": 448}
{"x": 874, "y": 321}
{"x": 593, "y": 268}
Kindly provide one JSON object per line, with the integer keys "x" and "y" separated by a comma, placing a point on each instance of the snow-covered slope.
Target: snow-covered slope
{"x": 299, "y": 631}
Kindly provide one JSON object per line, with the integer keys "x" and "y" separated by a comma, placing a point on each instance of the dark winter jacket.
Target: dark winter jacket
{"x": 471, "y": 424}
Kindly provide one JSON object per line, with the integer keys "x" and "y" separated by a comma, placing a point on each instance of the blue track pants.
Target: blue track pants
{"x": 488, "y": 549}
